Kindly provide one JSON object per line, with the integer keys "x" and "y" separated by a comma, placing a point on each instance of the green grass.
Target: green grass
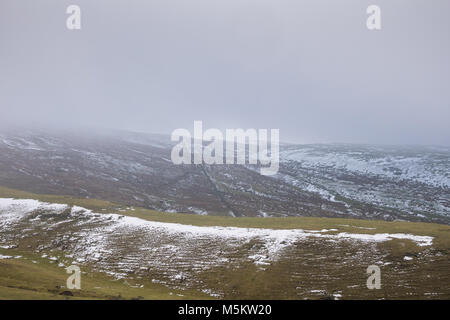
{"x": 24, "y": 279}
{"x": 92, "y": 204}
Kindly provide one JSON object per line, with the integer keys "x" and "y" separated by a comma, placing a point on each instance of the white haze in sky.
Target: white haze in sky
{"x": 310, "y": 68}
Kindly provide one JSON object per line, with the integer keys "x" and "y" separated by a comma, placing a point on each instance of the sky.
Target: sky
{"x": 309, "y": 68}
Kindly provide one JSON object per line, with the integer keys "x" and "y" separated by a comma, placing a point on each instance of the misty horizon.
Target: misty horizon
{"x": 98, "y": 131}
{"x": 310, "y": 69}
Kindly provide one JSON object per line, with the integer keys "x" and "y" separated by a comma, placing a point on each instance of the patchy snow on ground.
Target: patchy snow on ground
{"x": 275, "y": 240}
{"x": 13, "y": 210}
{"x": 122, "y": 245}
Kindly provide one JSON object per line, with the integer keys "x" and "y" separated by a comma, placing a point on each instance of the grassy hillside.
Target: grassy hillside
{"x": 33, "y": 277}
{"x": 313, "y": 264}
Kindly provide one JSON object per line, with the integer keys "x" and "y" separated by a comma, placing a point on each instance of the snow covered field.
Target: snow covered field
{"x": 170, "y": 253}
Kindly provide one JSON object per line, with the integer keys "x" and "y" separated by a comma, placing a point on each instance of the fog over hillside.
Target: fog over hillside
{"x": 309, "y": 68}
{"x": 326, "y": 180}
